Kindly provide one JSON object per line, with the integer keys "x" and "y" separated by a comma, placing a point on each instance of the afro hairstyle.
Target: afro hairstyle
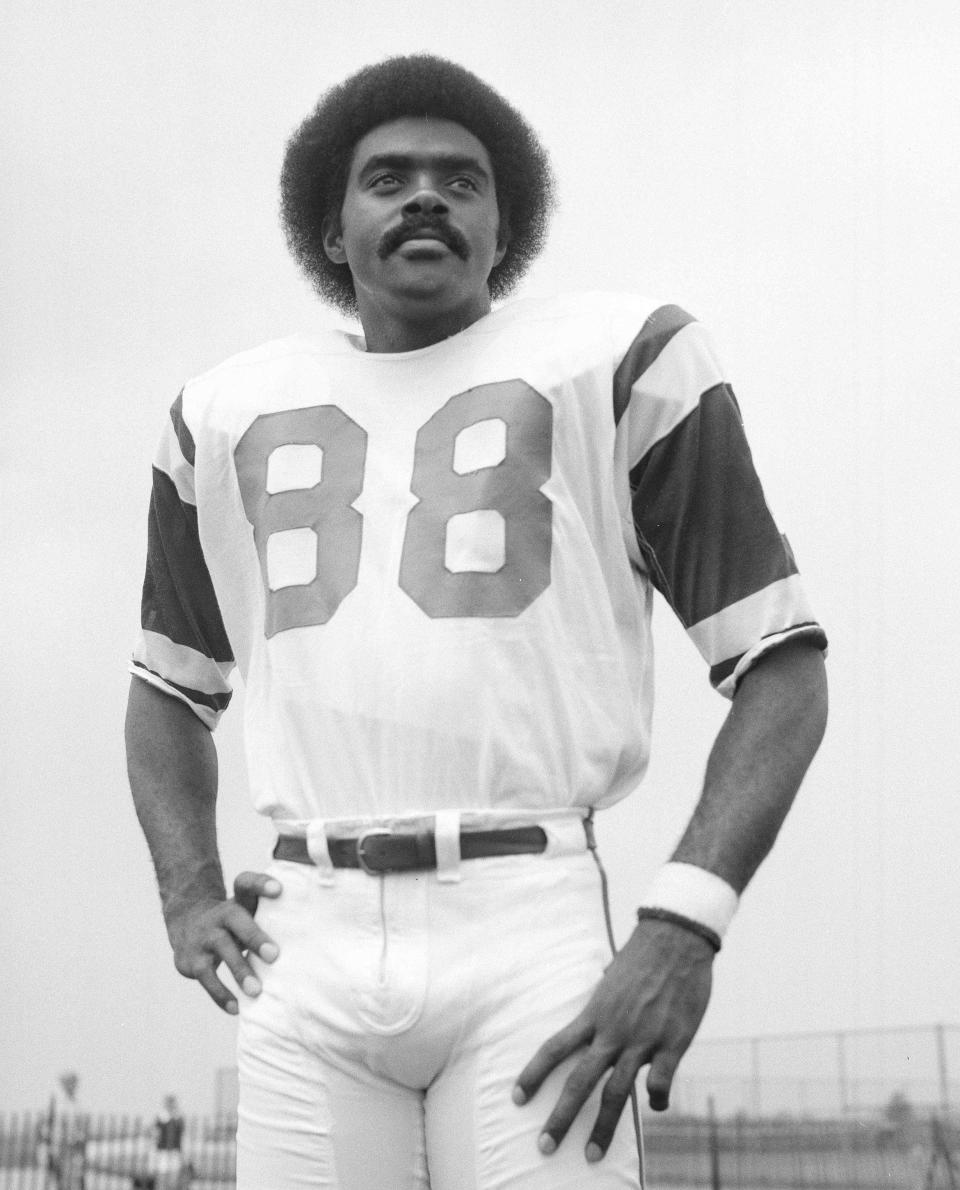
{"x": 317, "y": 161}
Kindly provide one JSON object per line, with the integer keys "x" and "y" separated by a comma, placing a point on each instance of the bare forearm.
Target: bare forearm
{"x": 172, "y": 763}
{"x": 757, "y": 763}
{"x": 172, "y": 766}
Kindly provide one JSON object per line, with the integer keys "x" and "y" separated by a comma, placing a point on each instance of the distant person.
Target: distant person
{"x": 61, "y": 1148}
{"x": 168, "y": 1156}
{"x": 431, "y": 550}
{"x": 166, "y": 1168}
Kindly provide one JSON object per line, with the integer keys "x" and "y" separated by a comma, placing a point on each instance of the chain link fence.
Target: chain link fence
{"x": 865, "y": 1109}
{"x": 843, "y": 1073}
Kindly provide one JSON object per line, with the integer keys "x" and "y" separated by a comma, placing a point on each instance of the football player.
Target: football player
{"x": 430, "y": 551}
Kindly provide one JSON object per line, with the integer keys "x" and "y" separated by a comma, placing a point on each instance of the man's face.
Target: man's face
{"x": 419, "y": 226}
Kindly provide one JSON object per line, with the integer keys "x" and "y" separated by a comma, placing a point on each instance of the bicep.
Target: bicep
{"x": 170, "y": 752}
{"x": 706, "y": 534}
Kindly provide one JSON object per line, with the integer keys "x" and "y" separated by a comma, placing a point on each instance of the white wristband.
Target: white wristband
{"x": 695, "y": 893}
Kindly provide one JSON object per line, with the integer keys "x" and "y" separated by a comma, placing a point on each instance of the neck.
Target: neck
{"x": 387, "y": 331}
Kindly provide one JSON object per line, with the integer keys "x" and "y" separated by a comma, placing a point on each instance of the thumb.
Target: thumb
{"x": 249, "y": 887}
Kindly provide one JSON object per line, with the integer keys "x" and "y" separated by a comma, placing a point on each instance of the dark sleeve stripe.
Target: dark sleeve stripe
{"x": 179, "y": 601}
{"x": 654, "y": 335}
{"x": 701, "y": 519}
{"x": 809, "y": 631}
{"x": 184, "y": 437}
{"x": 216, "y": 702}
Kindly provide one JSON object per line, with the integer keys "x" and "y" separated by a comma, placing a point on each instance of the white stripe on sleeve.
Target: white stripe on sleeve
{"x": 675, "y": 381}
{"x": 170, "y": 461}
{"x": 739, "y": 627}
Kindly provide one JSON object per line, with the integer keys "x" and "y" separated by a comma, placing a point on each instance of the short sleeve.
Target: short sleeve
{"x": 182, "y": 648}
{"x": 705, "y": 534}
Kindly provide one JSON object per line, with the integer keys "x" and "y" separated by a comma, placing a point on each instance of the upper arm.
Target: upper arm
{"x": 704, "y": 529}
{"x": 162, "y": 733}
{"x": 794, "y": 672}
{"x": 183, "y": 648}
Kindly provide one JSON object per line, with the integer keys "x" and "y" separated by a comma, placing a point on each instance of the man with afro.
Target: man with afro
{"x": 430, "y": 549}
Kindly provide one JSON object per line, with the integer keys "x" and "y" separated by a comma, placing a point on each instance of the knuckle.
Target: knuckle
{"x": 249, "y": 940}
{"x": 613, "y": 1095}
{"x": 237, "y": 925}
{"x": 211, "y": 943}
{"x": 578, "y": 1086}
{"x": 202, "y": 965}
{"x": 607, "y": 1050}
{"x": 209, "y": 981}
{"x": 552, "y": 1050}
{"x": 229, "y": 953}
{"x": 210, "y": 912}
{"x": 664, "y": 1067}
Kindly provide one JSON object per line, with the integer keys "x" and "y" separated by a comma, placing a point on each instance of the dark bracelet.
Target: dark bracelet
{"x": 653, "y": 913}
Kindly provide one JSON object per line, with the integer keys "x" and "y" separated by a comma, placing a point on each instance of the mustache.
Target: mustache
{"x": 407, "y": 230}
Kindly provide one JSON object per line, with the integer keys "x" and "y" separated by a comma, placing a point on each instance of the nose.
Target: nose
{"x": 426, "y": 201}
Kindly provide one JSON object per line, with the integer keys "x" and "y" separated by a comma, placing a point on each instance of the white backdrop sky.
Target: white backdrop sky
{"x": 786, "y": 169}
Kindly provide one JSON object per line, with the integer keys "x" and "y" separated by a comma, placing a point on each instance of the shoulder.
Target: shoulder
{"x": 260, "y": 370}
{"x": 613, "y": 318}
{"x": 274, "y": 355}
{"x": 607, "y": 338}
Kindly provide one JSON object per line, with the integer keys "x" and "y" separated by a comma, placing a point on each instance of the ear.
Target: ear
{"x": 503, "y": 240}
{"x": 333, "y": 239}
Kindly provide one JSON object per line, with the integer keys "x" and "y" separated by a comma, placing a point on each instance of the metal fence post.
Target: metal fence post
{"x": 755, "y": 1074}
{"x": 714, "y": 1146}
{"x": 842, "y": 1069}
{"x": 942, "y": 1069}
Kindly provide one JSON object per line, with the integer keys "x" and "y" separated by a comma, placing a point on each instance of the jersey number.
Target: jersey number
{"x": 447, "y": 490}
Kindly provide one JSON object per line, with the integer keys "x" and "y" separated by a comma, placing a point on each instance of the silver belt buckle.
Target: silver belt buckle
{"x": 361, "y": 858}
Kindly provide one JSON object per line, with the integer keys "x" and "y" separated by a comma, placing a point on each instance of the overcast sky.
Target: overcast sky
{"x": 785, "y": 169}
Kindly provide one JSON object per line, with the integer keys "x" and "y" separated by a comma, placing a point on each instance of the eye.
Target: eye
{"x": 463, "y": 182}
{"x": 378, "y": 181}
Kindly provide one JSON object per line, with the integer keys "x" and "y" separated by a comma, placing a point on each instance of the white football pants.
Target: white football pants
{"x": 383, "y": 1049}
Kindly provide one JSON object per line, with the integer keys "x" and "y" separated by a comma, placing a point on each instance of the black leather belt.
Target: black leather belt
{"x": 380, "y": 851}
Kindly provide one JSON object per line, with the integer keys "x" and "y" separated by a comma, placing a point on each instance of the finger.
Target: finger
{"x": 255, "y": 885}
{"x": 249, "y": 887}
{"x": 249, "y": 936}
{"x": 553, "y": 1051}
{"x": 576, "y": 1090}
{"x": 660, "y": 1079}
{"x": 226, "y": 950}
{"x": 616, "y": 1092}
{"x": 218, "y": 991}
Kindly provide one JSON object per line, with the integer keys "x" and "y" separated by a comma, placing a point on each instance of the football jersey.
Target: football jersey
{"x": 434, "y": 569}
